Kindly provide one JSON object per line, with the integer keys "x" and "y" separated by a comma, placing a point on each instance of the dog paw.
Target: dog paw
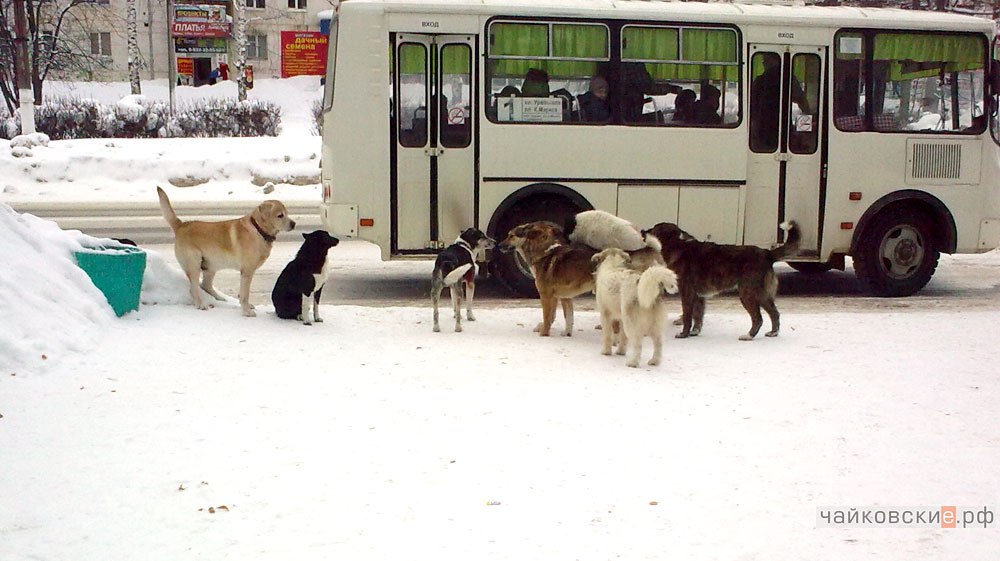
{"x": 470, "y": 317}
{"x": 771, "y": 334}
{"x": 632, "y": 363}
{"x": 682, "y": 335}
{"x": 458, "y": 329}
{"x": 318, "y": 320}
{"x": 567, "y": 333}
{"x": 606, "y": 352}
{"x": 437, "y": 329}
{"x": 306, "y": 323}
{"x": 653, "y": 361}
{"x": 538, "y": 328}
{"x": 249, "y": 313}
{"x": 746, "y": 337}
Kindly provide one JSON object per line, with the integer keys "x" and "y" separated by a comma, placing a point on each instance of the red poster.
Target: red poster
{"x": 185, "y": 65}
{"x": 303, "y": 53}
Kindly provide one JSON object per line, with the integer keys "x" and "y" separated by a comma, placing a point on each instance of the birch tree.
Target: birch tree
{"x": 240, "y": 36}
{"x": 133, "y": 47}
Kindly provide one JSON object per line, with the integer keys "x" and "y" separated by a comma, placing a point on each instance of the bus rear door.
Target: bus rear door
{"x": 787, "y": 155}
{"x": 433, "y": 157}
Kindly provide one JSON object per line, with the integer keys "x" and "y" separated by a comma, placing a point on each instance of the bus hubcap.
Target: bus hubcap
{"x": 902, "y": 251}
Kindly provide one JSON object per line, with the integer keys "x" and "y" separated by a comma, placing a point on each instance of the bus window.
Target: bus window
{"x": 677, "y": 76}
{"x": 454, "y": 120}
{"x": 803, "y": 135}
{"x": 412, "y": 84}
{"x": 765, "y": 101}
{"x": 927, "y": 82}
{"x": 537, "y": 71}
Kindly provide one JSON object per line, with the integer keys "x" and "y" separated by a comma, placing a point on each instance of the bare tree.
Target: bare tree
{"x": 133, "y": 47}
{"x": 240, "y": 36}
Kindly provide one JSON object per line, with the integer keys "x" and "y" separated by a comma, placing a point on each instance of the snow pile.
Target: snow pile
{"x": 43, "y": 291}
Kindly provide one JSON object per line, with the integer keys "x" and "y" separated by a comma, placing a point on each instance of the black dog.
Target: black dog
{"x": 303, "y": 278}
{"x": 457, "y": 265}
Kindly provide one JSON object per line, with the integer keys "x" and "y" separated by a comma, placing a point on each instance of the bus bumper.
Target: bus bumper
{"x": 989, "y": 234}
{"x": 339, "y": 220}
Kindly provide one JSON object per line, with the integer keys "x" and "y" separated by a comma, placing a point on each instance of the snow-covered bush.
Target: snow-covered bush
{"x": 140, "y": 117}
{"x": 317, "y": 113}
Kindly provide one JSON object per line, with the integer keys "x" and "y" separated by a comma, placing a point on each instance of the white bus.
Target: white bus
{"x": 874, "y": 129}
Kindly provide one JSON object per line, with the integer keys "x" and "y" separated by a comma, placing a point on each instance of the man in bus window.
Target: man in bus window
{"x": 765, "y": 101}
{"x": 706, "y": 109}
{"x": 634, "y": 84}
{"x": 594, "y": 104}
{"x": 536, "y": 83}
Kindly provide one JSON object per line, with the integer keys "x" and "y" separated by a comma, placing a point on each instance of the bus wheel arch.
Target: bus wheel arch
{"x": 898, "y": 241}
{"x": 538, "y": 201}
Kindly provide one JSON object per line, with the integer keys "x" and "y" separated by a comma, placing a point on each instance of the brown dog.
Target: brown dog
{"x": 203, "y": 248}
{"x": 705, "y": 269}
{"x": 562, "y": 271}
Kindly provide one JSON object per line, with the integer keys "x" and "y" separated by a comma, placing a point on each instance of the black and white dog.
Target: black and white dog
{"x": 455, "y": 268}
{"x": 303, "y": 278}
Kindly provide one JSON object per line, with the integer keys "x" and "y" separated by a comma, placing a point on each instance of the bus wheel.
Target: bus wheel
{"x": 897, "y": 254}
{"x": 810, "y": 267}
{"x": 509, "y": 268}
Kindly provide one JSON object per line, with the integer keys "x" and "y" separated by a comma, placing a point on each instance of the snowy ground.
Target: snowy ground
{"x": 173, "y": 433}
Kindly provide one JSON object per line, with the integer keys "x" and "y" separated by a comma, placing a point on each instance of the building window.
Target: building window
{"x": 296, "y": 4}
{"x": 257, "y": 46}
{"x": 256, "y": 4}
{"x": 100, "y": 44}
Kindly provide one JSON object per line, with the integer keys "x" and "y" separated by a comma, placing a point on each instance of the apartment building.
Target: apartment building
{"x": 98, "y": 33}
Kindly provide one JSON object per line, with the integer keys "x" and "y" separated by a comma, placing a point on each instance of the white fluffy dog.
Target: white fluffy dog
{"x": 603, "y": 230}
{"x": 634, "y": 300}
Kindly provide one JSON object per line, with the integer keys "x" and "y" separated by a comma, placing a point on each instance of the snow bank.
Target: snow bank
{"x": 43, "y": 291}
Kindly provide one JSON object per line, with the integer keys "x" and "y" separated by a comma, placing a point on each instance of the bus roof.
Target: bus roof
{"x": 722, "y": 12}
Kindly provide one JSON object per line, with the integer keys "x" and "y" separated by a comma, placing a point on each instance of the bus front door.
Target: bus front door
{"x": 433, "y": 157}
{"x": 786, "y": 117}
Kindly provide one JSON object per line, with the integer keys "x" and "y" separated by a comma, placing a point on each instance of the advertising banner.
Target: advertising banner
{"x": 185, "y": 65}
{"x": 303, "y": 53}
{"x": 200, "y": 20}
{"x": 199, "y": 45}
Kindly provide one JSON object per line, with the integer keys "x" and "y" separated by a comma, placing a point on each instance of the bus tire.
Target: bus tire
{"x": 810, "y": 267}
{"x": 897, "y": 253}
{"x": 509, "y": 268}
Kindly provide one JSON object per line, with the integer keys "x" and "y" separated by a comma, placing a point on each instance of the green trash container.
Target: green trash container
{"x": 117, "y": 272}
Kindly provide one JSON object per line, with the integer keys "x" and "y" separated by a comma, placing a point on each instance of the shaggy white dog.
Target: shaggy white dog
{"x": 634, "y": 300}
{"x": 603, "y": 230}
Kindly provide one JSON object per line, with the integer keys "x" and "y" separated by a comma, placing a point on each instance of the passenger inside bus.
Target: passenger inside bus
{"x": 633, "y": 85}
{"x": 594, "y": 104}
{"x": 706, "y": 110}
{"x": 536, "y": 83}
{"x": 684, "y": 107}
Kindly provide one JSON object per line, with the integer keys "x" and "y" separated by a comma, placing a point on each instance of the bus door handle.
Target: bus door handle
{"x": 433, "y": 151}
{"x": 782, "y": 157}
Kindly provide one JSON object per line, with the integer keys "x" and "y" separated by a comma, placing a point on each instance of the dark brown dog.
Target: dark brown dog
{"x": 705, "y": 269}
{"x": 562, "y": 270}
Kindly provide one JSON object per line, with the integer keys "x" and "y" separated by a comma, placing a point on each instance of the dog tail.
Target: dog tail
{"x": 456, "y": 274}
{"x": 652, "y": 242}
{"x": 653, "y": 282}
{"x": 168, "y": 211}
{"x": 791, "y": 244}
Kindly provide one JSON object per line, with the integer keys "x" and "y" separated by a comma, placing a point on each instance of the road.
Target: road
{"x": 359, "y": 277}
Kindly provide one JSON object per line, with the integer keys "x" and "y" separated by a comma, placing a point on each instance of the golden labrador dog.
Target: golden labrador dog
{"x": 562, "y": 271}
{"x": 243, "y": 244}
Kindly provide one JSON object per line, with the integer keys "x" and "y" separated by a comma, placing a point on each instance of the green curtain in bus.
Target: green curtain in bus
{"x": 412, "y": 58}
{"x": 924, "y": 55}
{"x": 580, "y": 41}
{"x": 650, "y": 43}
{"x": 516, "y": 68}
{"x": 455, "y": 59}
{"x": 519, "y": 39}
{"x": 708, "y": 45}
